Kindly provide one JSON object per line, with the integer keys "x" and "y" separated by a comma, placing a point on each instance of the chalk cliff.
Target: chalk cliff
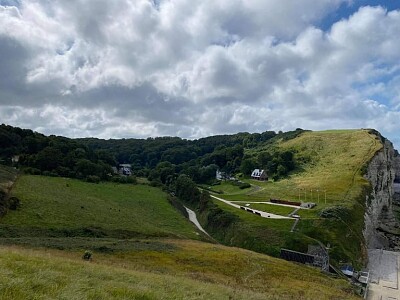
{"x": 382, "y": 229}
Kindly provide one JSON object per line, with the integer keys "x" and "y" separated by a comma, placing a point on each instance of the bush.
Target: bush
{"x": 244, "y": 186}
{"x": 124, "y": 179}
{"x": 51, "y": 174}
{"x": 87, "y": 255}
{"x": 13, "y": 203}
{"x": 93, "y": 179}
{"x": 32, "y": 171}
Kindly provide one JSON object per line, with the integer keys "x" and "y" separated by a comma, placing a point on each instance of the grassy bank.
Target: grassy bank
{"x": 193, "y": 270}
{"x": 59, "y": 207}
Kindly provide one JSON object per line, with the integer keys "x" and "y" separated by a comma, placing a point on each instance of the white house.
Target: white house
{"x": 125, "y": 169}
{"x": 259, "y": 175}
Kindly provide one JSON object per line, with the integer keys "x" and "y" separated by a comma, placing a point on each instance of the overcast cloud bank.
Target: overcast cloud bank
{"x": 195, "y": 68}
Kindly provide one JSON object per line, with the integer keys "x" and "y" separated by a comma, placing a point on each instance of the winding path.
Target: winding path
{"x": 193, "y": 219}
{"x": 262, "y": 214}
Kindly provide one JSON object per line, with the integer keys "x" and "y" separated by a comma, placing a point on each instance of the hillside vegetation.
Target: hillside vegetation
{"x": 329, "y": 173}
{"x": 133, "y": 255}
{"x": 192, "y": 270}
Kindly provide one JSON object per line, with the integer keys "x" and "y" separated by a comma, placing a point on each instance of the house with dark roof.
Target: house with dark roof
{"x": 125, "y": 169}
{"x": 259, "y": 175}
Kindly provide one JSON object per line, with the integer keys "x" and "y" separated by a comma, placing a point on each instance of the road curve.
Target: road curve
{"x": 193, "y": 219}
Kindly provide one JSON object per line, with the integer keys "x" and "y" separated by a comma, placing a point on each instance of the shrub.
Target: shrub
{"x": 93, "y": 179}
{"x": 13, "y": 203}
{"x": 32, "y": 171}
{"x": 244, "y": 186}
{"x": 87, "y": 255}
{"x": 124, "y": 179}
{"x": 51, "y": 174}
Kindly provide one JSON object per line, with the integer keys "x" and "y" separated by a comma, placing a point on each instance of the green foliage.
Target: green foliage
{"x": 124, "y": 179}
{"x": 87, "y": 255}
{"x": 93, "y": 179}
{"x": 187, "y": 190}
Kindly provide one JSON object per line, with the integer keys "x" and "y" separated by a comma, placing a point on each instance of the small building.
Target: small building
{"x": 347, "y": 270}
{"x": 125, "y": 169}
{"x": 15, "y": 159}
{"x": 220, "y": 175}
{"x": 223, "y": 176}
{"x": 259, "y": 175}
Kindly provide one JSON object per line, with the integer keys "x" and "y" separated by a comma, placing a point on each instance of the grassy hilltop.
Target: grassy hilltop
{"x": 330, "y": 173}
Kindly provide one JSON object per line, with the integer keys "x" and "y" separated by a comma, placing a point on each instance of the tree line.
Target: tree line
{"x": 160, "y": 159}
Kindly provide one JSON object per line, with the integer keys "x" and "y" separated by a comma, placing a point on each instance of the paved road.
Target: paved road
{"x": 262, "y": 213}
{"x": 270, "y": 203}
{"x": 384, "y": 267}
{"x": 193, "y": 219}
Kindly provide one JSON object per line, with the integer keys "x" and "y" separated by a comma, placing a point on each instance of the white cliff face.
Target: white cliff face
{"x": 379, "y": 215}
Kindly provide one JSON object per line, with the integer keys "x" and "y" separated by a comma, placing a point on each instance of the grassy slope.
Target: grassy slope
{"x": 332, "y": 163}
{"x": 7, "y": 177}
{"x": 64, "y": 207}
{"x": 152, "y": 268}
{"x": 194, "y": 270}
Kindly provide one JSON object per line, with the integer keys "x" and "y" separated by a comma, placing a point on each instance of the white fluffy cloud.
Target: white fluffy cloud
{"x": 193, "y": 68}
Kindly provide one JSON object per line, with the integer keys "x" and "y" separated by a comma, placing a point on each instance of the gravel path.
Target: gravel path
{"x": 261, "y": 213}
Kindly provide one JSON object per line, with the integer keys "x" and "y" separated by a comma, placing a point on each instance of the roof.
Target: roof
{"x": 257, "y": 173}
{"x": 125, "y": 165}
{"x": 347, "y": 270}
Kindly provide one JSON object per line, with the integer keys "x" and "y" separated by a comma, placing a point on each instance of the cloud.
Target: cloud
{"x": 193, "y": 68}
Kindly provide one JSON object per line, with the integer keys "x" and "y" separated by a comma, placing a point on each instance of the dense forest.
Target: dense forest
{"x": 160, "y": 159}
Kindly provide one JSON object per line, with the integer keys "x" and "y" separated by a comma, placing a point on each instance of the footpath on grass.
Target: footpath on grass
{"x": 259, "y": 212}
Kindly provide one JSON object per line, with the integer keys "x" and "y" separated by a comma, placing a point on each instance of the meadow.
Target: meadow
{"x": 194, "y": 270}
{"x": 60, "y": 207}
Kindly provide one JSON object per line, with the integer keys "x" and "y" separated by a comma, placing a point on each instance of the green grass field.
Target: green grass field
{"x": 194, "y": 270}
{"x": 60, "y": 207}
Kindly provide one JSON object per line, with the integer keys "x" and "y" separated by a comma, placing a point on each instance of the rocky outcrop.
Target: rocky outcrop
{"x": 381, "y": 225}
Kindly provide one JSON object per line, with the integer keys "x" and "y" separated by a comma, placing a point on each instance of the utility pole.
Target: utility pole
{"x": 325, "y": 196}
{"x": 311, "y": 195}
{"x": 318, "y": 194}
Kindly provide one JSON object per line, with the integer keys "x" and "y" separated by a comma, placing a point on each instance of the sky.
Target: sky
{"x": 141, "y": 68}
